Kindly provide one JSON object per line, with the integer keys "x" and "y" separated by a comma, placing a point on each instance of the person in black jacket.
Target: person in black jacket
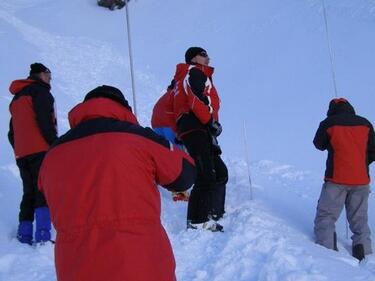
{"x": 196, "y": 109}
{"x": 350, "y": 142}
{"x": 32, "y": 130}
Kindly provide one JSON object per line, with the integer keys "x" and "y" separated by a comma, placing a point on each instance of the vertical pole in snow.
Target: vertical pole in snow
{"x": 331, "y": 55}
{"x": 347, "y": 229}
{"x": 247, "y": 159}
{"x": 131, "y": 58}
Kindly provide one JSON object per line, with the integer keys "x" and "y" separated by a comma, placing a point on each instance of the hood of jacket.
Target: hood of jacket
{"x": 100, "y": 108}
{"x": 18, "y": 85}
{"x": 340, "y": 106}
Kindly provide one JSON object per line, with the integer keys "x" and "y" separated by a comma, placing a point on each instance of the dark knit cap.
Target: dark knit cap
{"x": 192, "y": 52}
{"x": 110, "y": 92}
{"x": 37, "y": 67}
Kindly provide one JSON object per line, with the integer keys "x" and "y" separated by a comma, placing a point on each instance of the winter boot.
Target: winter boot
{"x": 210, "y": 225}
{"x": 358, "y": 252}
{"x": 25, "y": 232}
{"x": 180, "y": 196}
{"x": 43, "y": 225}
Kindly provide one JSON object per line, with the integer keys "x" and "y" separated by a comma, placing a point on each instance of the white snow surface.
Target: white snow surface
{"x": 272, "y": 71}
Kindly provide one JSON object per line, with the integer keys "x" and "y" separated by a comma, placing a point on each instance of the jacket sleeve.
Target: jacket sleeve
{"x": 199, "y": 103}
{"x": 44, "y": 111}
{"x": 197, "y": 81}
{"x": 11, "y": 133}
{"x": 175, "y": 170}
{"x": 371, "y": 145}
{"x": 321, "y": 139}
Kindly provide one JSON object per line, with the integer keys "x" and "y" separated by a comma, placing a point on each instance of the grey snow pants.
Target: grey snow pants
{"x": 331, "y": 202}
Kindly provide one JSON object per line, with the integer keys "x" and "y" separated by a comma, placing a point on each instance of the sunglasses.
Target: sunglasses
{"x": 203, "y": 54}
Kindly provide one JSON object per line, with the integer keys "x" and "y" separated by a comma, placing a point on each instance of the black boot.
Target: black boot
{"x": 358, "y": 252}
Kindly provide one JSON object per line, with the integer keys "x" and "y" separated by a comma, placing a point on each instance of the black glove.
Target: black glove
{"x": 215, "y": 128}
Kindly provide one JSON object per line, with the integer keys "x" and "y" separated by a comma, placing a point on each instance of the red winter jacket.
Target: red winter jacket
{"x": 162, "y": 113}
{"x": 196, "y": 100}
{"x": 32, "y": 127}
{"x": 350, "y": 141}
{"x": 100, "y": 181}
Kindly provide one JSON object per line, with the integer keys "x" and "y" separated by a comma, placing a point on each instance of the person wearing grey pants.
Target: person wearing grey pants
{"x": 350, "y": 142}
{"x": 331, "y": 202}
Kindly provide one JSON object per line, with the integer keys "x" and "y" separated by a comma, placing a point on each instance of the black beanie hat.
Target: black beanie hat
{"x": 110, "y": 92}
{"x": 37, "y": 67}
{"x": 192, "y": 52}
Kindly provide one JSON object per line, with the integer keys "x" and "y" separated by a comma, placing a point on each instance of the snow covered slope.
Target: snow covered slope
{"x": 272, "y": 70}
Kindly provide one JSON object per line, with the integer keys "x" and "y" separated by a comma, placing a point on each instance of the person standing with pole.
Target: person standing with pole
{"x": 333, "y": 72}
{"x": 350, "y": 142}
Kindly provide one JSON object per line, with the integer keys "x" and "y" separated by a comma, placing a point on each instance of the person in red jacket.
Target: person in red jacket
{"x": 163, "y": 123}
{"x": 350, "y": 141}
{"x": 162, "y": 119}
{"x": 100, "y": 180}
{"x": 196, "y": 107}
{"x": 32, "y": 130}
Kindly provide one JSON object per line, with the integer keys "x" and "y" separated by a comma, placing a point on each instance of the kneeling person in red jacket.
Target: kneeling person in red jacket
{"x": 350, "y": 141}
{"x": 163, "y": 123}
{"x": 100, "y": 180}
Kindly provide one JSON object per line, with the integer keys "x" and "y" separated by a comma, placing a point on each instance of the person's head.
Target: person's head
{"x": 338, "y": 106}
{"x": 41, "y": 71}
{"x": 197, "y": 55}
{"x": 109, "y": 92}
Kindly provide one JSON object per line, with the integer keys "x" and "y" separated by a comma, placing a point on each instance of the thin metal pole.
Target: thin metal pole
{"x": 247, "y": 159}
{"x": 331, "y": 54}
{"x": 131, "y": 58}
{"x": 347, "y": 229}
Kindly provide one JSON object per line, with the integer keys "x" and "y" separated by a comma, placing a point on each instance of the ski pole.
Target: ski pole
{"x": 247, "y": 159}
{"x": 347, "y": 229}
{"x": 131, "y": 58}
{"x": 331, "y": 54}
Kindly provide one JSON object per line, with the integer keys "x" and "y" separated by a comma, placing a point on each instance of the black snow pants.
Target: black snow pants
{"x": 207, "y": 198}
{"x": 32, "y": 198}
